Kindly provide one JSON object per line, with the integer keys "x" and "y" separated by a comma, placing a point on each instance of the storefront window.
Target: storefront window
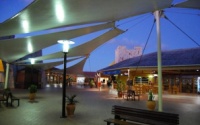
{"x": 187, "y": 85}
{"x": 177, "y": 81}
{"x": 141, "y": 80}
{"x": 166, "y": 83}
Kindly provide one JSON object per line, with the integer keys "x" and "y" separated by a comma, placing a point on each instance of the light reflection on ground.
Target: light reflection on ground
{"x": 178, "y": 98}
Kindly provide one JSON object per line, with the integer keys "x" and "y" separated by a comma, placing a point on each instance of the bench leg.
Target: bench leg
{"x": 128, "y": 97}
{"x": 13, "y": 101}
{"x": 6, "y": 103}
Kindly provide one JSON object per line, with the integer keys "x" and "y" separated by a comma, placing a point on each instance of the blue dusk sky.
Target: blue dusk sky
{"x": 137, "y": 32}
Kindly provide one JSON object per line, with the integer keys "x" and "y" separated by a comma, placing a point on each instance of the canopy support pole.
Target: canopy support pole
{"x": 6, "y": 78}
{"x": 157, "y": 15}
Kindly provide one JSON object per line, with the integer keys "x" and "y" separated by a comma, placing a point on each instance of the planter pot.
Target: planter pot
{"x": 119, "y": 94}
{"x": 151, "y": 105}
{"x": 32, "y": 96}
{"x": 70, "y": 109}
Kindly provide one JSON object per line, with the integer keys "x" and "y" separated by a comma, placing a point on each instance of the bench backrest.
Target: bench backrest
{"x": 6, "y": 95}
{"x": 145, "y": 116}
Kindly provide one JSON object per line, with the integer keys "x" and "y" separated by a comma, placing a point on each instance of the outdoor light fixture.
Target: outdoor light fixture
{"x": 66, "y": 44}
{"x": 155, "y": 75}
{"x": 150, "y": 76}
{"x": 32, "y": 60}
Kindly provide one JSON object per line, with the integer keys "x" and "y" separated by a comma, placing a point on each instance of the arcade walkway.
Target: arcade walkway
{"x": 94, "y": 106}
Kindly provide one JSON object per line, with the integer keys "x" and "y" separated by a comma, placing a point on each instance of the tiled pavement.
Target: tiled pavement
{"x": 94, "y": 106}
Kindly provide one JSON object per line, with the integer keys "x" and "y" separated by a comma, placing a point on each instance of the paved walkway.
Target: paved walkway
{"x": 94, "y": 106}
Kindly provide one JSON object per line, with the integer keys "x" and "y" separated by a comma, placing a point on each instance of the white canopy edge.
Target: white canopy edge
{"x": 48, "y": 65}
{"x": 83, "y": 49}
{"x": 19, "y": 47}
{"x": 75, "y": 69}
{"x": 42, "y": 14}
{"x": 193, "y": 4}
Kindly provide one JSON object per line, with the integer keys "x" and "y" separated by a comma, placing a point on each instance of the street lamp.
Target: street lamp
{"x": 66, "y": 44}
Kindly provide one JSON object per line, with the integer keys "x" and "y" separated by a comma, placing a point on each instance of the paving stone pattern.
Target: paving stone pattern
{"x": 94, "y": 106}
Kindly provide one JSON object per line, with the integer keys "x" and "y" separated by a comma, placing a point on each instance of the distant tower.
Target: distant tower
{"x": 122, "y": 53}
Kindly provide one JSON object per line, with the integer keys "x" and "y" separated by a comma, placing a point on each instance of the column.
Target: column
{"x": 7, "y": 75}
{"x": 159, "y": 59}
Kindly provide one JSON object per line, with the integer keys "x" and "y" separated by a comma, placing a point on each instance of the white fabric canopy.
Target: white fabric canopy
{"x": 46, "y": 14}
{"x": 194, "y": 4}
{"x": 49, "y": 65}
{"x": 43, "y": 15}
{"x": 18, "y": 48}
{"x": 84, "y": 49}
{"x": 75, "y": 69}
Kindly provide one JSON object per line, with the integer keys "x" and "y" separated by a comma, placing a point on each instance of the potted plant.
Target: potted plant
{"x": 121, "y": 86}
{"x": 91, "y": 84}
{"x": 71, "y": 104}
{"x": 32, "y": 91}
{"x": 151, "y": 103}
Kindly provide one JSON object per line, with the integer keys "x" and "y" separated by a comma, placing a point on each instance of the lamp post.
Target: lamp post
{"x": 66, "y": 44}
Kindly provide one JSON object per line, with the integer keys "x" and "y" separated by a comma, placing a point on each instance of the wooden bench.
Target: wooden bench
{"x": 4, "y": 97}
{"x": 133, "y": 116}
{"x": 130, "y": 94}
{"x": 119, "y": 122}
{"x": 13, "y": 98}
{"x": 7, "y": 95}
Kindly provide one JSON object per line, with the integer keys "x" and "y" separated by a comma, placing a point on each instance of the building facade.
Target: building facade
{"x": 180, "y": 71}
{"x": 122, "y": 53}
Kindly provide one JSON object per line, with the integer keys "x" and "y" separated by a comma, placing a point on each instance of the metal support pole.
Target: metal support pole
{"x": 7, "y": 76}
{"x": 159, "y": 59}
{"x": 64, "y": 87}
